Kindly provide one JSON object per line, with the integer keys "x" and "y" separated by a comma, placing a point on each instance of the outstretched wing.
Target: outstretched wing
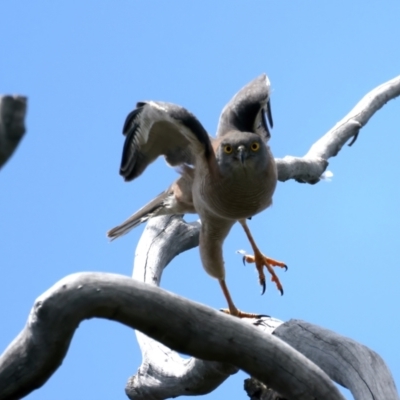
{"x": 156, "y": 128}
{"x": 246, "y": 110}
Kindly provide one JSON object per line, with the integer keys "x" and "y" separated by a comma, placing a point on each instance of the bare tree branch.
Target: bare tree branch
{"x": 163, "y": 373}
{"x": 12, "y": 128}
{"x": 347, "y": 362}
{"x": 178, "y": 323}
{"x": 310, "y": 167}
{"x": 256, "y": 390}
{"x": 185, "y": 326}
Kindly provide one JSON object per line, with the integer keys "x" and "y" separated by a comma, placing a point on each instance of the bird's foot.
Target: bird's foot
{"x": 262, "y": 261}
{"x": 241, "y": 314}
{"x": 232, "y": 310}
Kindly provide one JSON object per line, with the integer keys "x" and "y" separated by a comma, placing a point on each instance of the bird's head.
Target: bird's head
{"x": 242, "y": 151}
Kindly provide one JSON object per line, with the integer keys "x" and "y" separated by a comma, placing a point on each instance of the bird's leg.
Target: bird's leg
{"x": 212, "y": 235}
{"x": 232, "y": 310}
{"x": 261, "y": 260}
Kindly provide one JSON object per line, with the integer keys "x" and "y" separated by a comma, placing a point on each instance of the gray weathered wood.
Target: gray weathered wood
{"x": 352, "y": 365}
{"x": 347, "y": 362}
{"x": 171, "y": 376}
{"x": 178, "y": 323}
{"x": 163, "y": 373}
{"x": 256, "y": 390}
{"x": 310, "y": 167}
{"x": 12, "y": 127}
{"x": 189, "y": 327}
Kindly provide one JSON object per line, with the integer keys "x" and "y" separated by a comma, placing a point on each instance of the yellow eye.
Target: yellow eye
{"x": 228, "y": 149}
{"x": 255, "y": 146}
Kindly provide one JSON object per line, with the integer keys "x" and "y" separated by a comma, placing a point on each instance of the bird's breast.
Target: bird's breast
{"x": 238, "y": 195}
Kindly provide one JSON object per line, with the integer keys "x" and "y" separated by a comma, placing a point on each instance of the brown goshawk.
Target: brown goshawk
{"x": 225, "y": 179}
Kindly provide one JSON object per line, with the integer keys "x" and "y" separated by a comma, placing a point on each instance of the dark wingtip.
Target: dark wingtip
{"x": 243, "y": 109}
{"x": 269, "y": 114}
{"x": 195, "y": 126}
{"x": 128, "y": 167}
{"x": 129, "y": 153}
{"x": 130, "y": 118}
{"x": 265, "y": 125}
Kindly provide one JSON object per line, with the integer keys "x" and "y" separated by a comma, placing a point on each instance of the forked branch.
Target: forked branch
{"x": 310, "y": 167}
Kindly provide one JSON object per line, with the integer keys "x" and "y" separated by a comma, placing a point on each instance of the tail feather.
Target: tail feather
{"x": 151, "y": 209}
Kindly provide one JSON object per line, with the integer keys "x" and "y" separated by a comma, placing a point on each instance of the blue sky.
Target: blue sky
{"x": 84, "y": 65}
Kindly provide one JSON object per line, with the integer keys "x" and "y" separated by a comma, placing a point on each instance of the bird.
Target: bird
{"x": 226, "y": 179}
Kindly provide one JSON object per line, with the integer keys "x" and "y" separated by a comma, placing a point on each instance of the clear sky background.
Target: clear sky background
{"x": 83, "y": 66}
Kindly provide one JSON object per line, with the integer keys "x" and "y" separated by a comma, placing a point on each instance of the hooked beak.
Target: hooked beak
{"x": 241, "y": 153}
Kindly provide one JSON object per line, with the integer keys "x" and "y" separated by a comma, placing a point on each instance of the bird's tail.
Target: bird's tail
{"x": 151, "y": 209}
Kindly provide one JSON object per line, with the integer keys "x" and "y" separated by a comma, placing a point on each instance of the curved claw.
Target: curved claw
{"x": 281, "y": 290}
{"x": 286, "y": 267}
{"x": 263, "y": 288}
{"x": 244, "y": 260}
{"x": 259, "y": 317}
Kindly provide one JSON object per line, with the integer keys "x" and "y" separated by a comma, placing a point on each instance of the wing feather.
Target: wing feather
{"x": 245, "y": 112}
{"x": 158, "y": 128}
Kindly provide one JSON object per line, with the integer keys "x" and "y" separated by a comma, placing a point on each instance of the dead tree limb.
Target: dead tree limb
{"x": 186, "y": 326}
{"x": 178, "y": 323}
{"x": 310, "y": 167}
{"x": 347, "y": 362}
{"x": 256, "y": 390}
{"x": 164, "y": 374}
{"x": 12, "y": 126}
